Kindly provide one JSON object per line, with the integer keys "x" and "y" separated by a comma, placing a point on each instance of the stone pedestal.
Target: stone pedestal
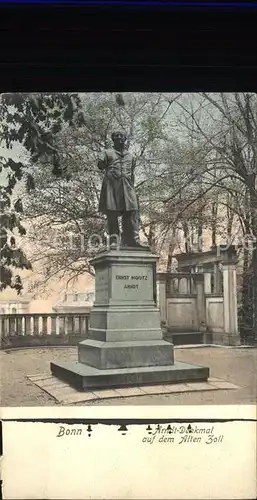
{"x": 125, "y": 344}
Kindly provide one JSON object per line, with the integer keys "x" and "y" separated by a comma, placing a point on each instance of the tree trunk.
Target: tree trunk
{"x": 186, "y": 237}
{"x": 214, "y": 210}
{"x": 172, "y": 246}
{"x": 245, "y": 310}
{"x": 253, "y": 205}
{"x": 151, "y": 235}
{"x": 249, "y": 288}
{"x": 200, "y": 234}
{"x": 230, "y": 215}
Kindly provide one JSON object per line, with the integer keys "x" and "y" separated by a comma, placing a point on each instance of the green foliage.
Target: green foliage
{"x": 32, "y": 120}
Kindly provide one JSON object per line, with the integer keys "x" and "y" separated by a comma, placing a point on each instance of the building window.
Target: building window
{"x": 14, "y": 310}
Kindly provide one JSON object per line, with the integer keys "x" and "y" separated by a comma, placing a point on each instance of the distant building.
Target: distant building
{"x": 20, "y": 306}
{"x": 75, "y": 302}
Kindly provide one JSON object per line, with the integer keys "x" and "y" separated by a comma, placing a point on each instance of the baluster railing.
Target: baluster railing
{"x": 70, "y": 325}
{"x": 54, "y": 320}
{"x": 28, "y": 328}
{"x": 35, "y": 325}
{"x": 19, "y": 325}
{"x": 44, "y": 325}
{"x": 76, "y": 325}
{"x": 13, "y": 325}
{"x": 61, "y": 325}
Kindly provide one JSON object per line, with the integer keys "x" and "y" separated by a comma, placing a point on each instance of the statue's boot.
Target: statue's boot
{"x": 130, "y": 233}
{"x": 124, "y": 242}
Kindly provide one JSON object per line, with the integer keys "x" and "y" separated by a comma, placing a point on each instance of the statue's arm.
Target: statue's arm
{"x": 102, "y": 161}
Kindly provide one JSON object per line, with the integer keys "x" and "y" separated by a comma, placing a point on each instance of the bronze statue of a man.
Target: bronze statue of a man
{"x": 118, "y": 196}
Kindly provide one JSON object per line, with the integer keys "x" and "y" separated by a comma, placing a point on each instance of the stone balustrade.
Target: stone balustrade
{"x": 180, "y": 284}
{"x": 47, "y": 326}
{"x": 202, "y": 300}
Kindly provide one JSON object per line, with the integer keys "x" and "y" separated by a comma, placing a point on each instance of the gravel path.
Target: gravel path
{"x": 238, "y": 366}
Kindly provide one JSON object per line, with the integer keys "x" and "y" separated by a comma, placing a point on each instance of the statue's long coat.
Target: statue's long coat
{"x": 118, "y": 192}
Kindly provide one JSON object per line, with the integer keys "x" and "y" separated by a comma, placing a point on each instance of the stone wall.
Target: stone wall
{"x": 202, "y": 296}
{"x": 181, "y": 313}
{"x": 215, "y": 314}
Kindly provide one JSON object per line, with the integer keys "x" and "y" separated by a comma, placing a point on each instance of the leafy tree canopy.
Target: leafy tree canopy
{"x": 31, "y": 120}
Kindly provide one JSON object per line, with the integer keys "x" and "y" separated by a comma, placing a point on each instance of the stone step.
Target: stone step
{"x": 186, "y": 338}
{"x": 130, "y": 354}
{"x": 84, "y": 377}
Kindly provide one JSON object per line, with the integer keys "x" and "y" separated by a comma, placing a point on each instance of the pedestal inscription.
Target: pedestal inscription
{"x": 132, "y": 283}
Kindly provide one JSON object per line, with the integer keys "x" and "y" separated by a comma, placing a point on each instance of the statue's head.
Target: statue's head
{"x": 119, "y": 139}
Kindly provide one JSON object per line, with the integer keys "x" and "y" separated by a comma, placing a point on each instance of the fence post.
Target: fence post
{"x": 12, "y": 325}
{"x": 19, "y": 325}
{"x": 70, "y": 325}
{"x": 161, "y": 295}
{"x": 27, "y": 324}
{"x": 35, "y": 325}
{"x": 230, "y": 304}
{"x": 200, "y": 300}
{"x": 44, "y": 325}
{"x": 61, "y": 325}
{"x": 53, "y": 328}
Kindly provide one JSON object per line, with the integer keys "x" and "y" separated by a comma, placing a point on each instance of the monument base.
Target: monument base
{"x": 84, "y": 377}
{"x": 125, "y": 345}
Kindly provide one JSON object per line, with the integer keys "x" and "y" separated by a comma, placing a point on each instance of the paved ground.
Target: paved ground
{"x": 238, "y": 366}
{"x": 65, "y": 394}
